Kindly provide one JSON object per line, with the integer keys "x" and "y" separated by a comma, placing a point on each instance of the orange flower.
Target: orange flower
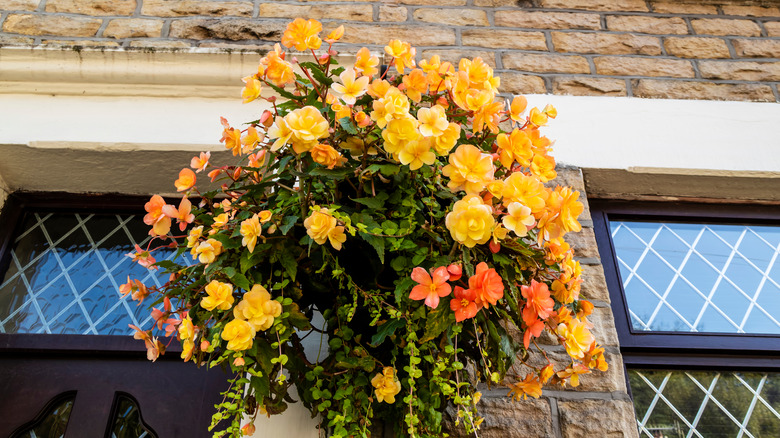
{"x": 386, "y": 385}
{"x": 335, "y": 35}
{"x": 573, "y": 374}
{"x": 486, "y": 285}
{"x": 258, "y": 308}
{"x": 199, "y": 163}
{"x": 326, "y": 155}
{"x": 379, "y": 88}
{"x": 522, "y": 389}
{"x": 517, "y": 107}
{"x": 402, "y": 53}
{"x": 514, "y": 147}
{"x": 186, "y": 180}
{"x": 430, "y": 288}
{"x": 488, "y": 115}
{"x": 537, "y": 117}
{"x": 576, "y": 337}
{"x": 276, "y": 69}
{"x": 415, "y": 84}
{"x": 144, "y": 258}
{"x": 302, "y": 34}
{"x": 252, "y": 89}
{"x": 538, "y": 299}
{"x": 366, "y": 64}
{"x": 183, "y": 214}
{"x": 239, "y": 334}
{"x": 469, "y": 169}
{"x": 251, "y": 139}
{"x": 543, "y": 166}
{"x": 231, "y": 137}
{"x": 463, "y": 304}
{"x": 136, "y": 289}
{"x": 218, "y": 296}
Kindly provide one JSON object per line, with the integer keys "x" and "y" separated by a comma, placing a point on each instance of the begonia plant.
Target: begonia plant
{"x": 406, "y": 218}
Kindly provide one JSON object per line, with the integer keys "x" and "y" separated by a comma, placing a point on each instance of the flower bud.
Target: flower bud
{"x": 248, "y": 429}
{"x": 239, "y": 362}
{"x": 455, "y": 271}
{"x": 204, "y": 345}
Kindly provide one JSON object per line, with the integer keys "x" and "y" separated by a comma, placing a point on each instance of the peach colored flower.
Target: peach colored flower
{"x": 415, "y": 84}
{"x": 402, "y": 53}
{"x": 518, "y": 219}
{"x": 514, "y": 147}
{"x": 470, "y": 222}
{"x": 366, "y": 64}
{"x": 239, "y": 334}
{"x": 183, "y": 214}
{"x": 144, "y": 258}
{"x": 486, "y": 285}
{"x": 206, "y": 252}
{"x": 302, "y": 34}
{"x": 399, "y": 133}
{"x": 307, "y": 124}
{"x": 576, "y": 337}
{"x": 517, "y": 108}
{"x": 258, "y": 308}
{"x": 444, "y": 143}
{"x": 530, "y": 386}
{"x": 433, "y": 121}
{"x": 430, "y": 288}
{"x": 218, "y": 296}
{"x": 252, "y": 89}
{"x": 186, "y": 180}
{"x": 469, "y": 169}
{"x": 417, "y": 153}
{"x": 200, "y": 163}
{"x": 335, "y": 35}
{"x": 326, "y": 155}
{"x": 526, "y": 190}
{"x": 321, "y": 226}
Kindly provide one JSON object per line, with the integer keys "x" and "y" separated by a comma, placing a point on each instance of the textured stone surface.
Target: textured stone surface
{"x": 92, "y": 7}
{"x": 79, "y": 43}
{"x": 772, "y": 28}
{"x": 454, "y": 17}
{"x": 505, "y": 418}
{"x": 597, "y": 5}
{"x": 496, "y": 3}
{"x": 233, "y": 29}
{"x": 614, "y": 44}
{"x": 604, "y": 326}
{"x": 351, "y": 12}
{"x": 542, "y": 63}
{"x": 499, "y": 38}
{"x": 419, "y": 35}
{"x": 723, "y": 26}
{"x": 584, "y": 243}
{"x": 133, "y": 28}
{"x": 455, "y": 55}
{"x": 624, "y": 66}
{"x": 674, "y": 7}
{"x": 260, "y": 48}
{"x": 181, "y": 8}
{"x": 431, "y": 2}
{"x": 594, "y": 284}
{"x": 518, "y": 83}
{"x": 547, "y": 20}
{"x": 392, "y": 13}
{"x": 696, "y": 47}
{"x": 612, "y": 418}
{"x": 661, "y": 89}
{"x": 20, "y": 5}
{"x": 752, "y": 48}
{"x": 15, "y": 40}
{"x": 160, "y": 44}
{"x": 51, "y": 25}
{"x": 589, "y": 86}
{"x": 644, "y": 24}
{"x": 741, "y": 70}
{"x": 751, "y": 11}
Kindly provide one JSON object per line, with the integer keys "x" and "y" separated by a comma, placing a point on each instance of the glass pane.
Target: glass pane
{"x": 127, "y": 421}
{"x": 65, "y": 272}
{"x": 677, "y": 404}
{"x": 52, "y": 422}
{"x": 682, "y": 277}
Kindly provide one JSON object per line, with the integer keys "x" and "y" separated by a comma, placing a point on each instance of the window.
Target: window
{"x": 695, "y": 290}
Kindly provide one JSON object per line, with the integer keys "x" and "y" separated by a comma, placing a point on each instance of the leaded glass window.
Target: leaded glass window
{"x": 64, "y": 273}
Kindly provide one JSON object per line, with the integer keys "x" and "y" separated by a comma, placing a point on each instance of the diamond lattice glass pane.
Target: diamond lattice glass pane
{"x": 700, "y": 277}
{"x": 65, "y": 273}
{"x": 706, "y": 403}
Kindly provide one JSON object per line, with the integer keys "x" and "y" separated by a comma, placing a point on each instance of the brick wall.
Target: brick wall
{"x": 728, "y": 50}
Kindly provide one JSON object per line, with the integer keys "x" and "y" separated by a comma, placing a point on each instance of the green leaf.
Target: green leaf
{"x": 286, "y": 94}
{"x": 226, "y": 241}
{"x": 330, "y": 173}
{"x": 240, "y": 280}
{"x": 318, "y": 74}
{"x": 377, "y": 242}
{"x": 287, "y": 259}
{"x": 385, "y": 330}
{"x": 346, "y": 123}
{"x": 402, "y": 288}
{"x": 297, "y": 318}
{"x": 375, "y": 202}
{"x": 261, "y": 385}
{"x": 385, "y": 169}
{"x": 437, "y": 321}
{"x": 168, "y": 265}
{"x": 287, "y": 223}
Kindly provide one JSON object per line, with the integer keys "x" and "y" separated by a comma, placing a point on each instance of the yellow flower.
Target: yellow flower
{"x": 250, "y": 230}
{"x": 470, "y": 169}
{"x": 518, "y": 219}
{"x": 386, "y": 385}
{"x": 321, "y": 227}
{"x": 187, "y": 347}
{"x": 415, "y": 84}
{"x": 186, "y": 329}
{"x": 281, "y": 132}
{"x": 417, "y": 153}
{"x": 356, "y": 147}
{"x": 302, "y": 34}
{"x": 365, "y": 63}
{"x": 399, "y": 133}
{"x": 219, "y": 296}
{"x": 352, "y": 88}
{"x": 276, "y": 69}
{"x": 307, "y": 124}
{"x": 206, "y": 252}
{"x": 543, "y": 166}
{"x": 258, "y": 308}
{"x": 194, "y": 235}
{"x": 326, "y": 155}
{"x": 265, "y": 216}
{"x": 470, "y": 222}
{"x": 526, "y": 190}
{"x": 335, "y": 34}
{"x": 239, "y": 334}
{"x": 537, "y": 117}
{"x": 252, "y": 89}
{"x": 402, "y": 53}
{"x": 220, "y": 221}
{"x": 577, "y": 337}
{"x": 514, "y": 147}
{"x": 517, "y": 107}
{"x": 433, "y": 121}
{"x": 394, "y": 104}
{"x": 444, "y": 143}
{"x": 336, "y": 237}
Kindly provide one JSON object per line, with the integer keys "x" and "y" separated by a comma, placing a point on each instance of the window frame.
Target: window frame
{"x": 11, "y": 217}
{"x": 701, "y": 350}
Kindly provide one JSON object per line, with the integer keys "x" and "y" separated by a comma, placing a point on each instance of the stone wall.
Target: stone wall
{"x": 721, "y": 49}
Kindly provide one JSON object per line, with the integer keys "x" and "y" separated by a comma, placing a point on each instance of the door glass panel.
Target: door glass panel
{"x": 52, "y": 422}
{"x": 127, "y": 421}
{"x": 65, "y": 271}
{"x": 686, "y": 277}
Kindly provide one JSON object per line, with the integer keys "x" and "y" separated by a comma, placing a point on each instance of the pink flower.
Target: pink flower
{"x": 199, "y": 163}
{"x": 183, "y": 214}
{"x": 144, "y": 258}
{"x": 430, "y": 288}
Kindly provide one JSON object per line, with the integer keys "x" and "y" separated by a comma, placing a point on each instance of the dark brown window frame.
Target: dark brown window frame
{"x": 681, "y": 349}
{"x": 19, "y": 203}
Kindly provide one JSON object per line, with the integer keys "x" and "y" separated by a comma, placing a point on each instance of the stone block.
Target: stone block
{"x": 184, "y": 8}
{"x": 604, "y": 326}
{"x": 543, "y": 63}
{"x": 518, "y": 83}
{"x": 51, "y": 25}
{"x": 11, "y": 40}
{"x": 740, "y": 70}
{"x": 452, "y": 17}
{"x": 606, "y": 43}
{"x": 675, "y": 7}
{"x": 645, "y": 24}
{"x": 772, "y": 28}
{"x": 392, "y": 13}
{"x": 752, "y": 48}
{"x": 589, "y": 86}
{"x": 505, "y": 418}
{"x": 454, "y": 55}
{"x": 499, "y": 38}
{"x": 496, "y": 3}
{"x": 629, "y": 66}
{"x": 92, "y": 7}
{"x": 751, "y": 11}
{"x": 79, "y": 43}
{"x": 724, "y": 26}
{"x": 597, "y": 5}
{"x": 133, "y": 28}
{"x": 548, "y": 20}
{"x": 416, "y": 34}
{"x": 661, "y": 89}
{"x": 227, "y": 29}
{"x": 430, "y": 2}
{"x": 597, "y": 418}
{"x": 696, "y": 47}
{"x": 345, "y": 12}
{"x": 583, "y": 243}
{"x": 20, "y": 5}
{"x": 594, "y": 284}
{"x": 258, "y": 48}
{"x": 160, "y": 44}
